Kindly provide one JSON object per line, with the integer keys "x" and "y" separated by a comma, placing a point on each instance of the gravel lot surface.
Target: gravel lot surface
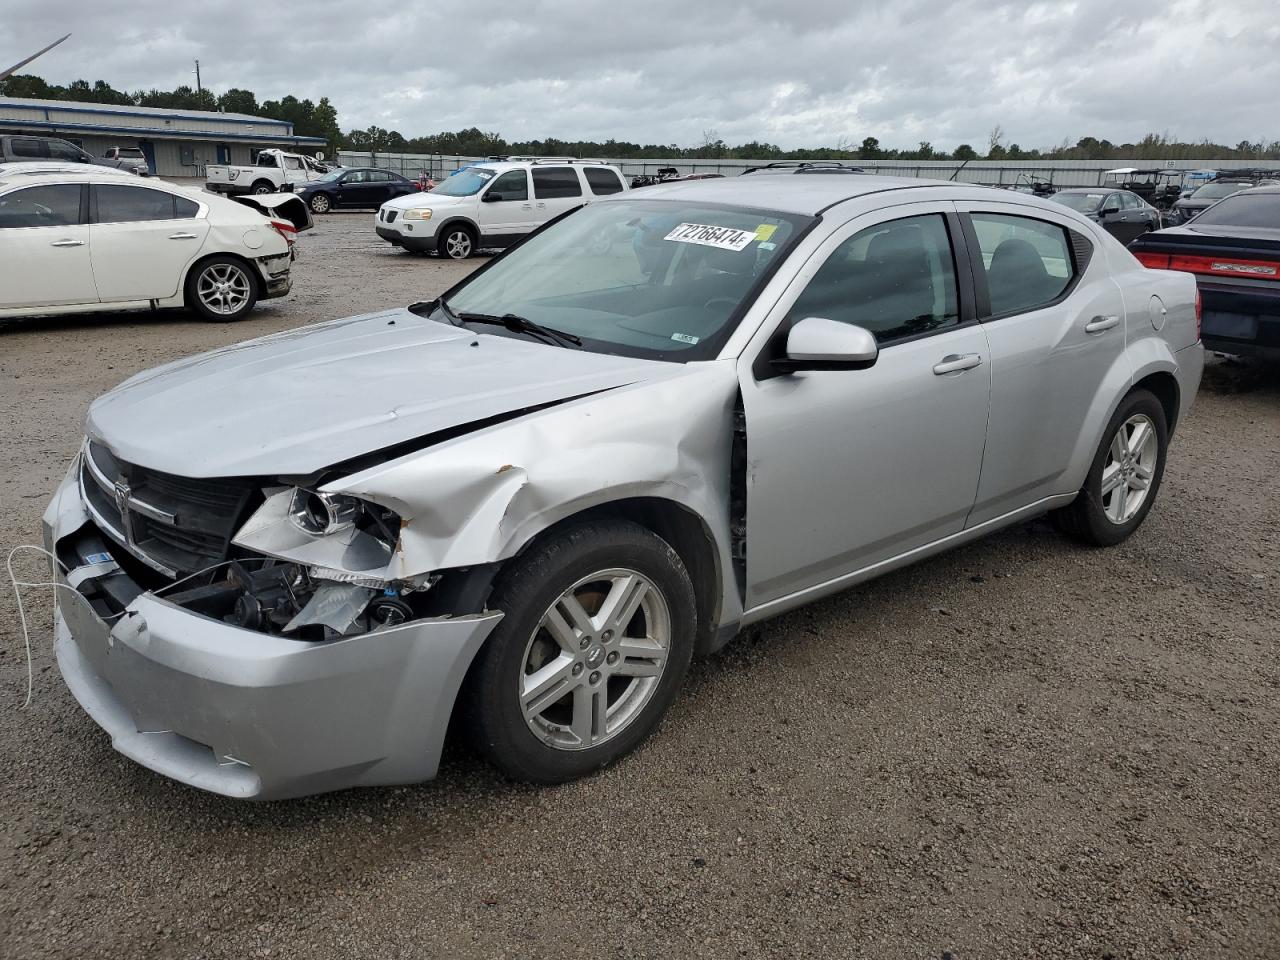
{"x": 1020, "y": 749}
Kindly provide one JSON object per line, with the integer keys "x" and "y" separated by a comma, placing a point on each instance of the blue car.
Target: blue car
{"x": 354, "y": 188}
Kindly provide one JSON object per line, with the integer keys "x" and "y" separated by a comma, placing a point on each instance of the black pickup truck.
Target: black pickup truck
{"x": 1233, "y": 248}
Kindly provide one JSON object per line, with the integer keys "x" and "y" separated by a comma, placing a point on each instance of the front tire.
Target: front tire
{"x": 221, "y": 289}
{"x": 1124, "y": 478}
{"x": 593, "y": 648}
{"x": 320, "y": 203}
{"x": 456, "y": 243}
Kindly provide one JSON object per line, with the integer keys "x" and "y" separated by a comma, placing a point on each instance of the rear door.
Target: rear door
{"x": 44, "y": 245}
{"x": 556, "y": 189}
{"x": 1054, "y": 318}
{"x": 141, "y": 241}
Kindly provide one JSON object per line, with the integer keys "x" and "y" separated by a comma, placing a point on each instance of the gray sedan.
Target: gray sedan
{"x": 523, "y": 508}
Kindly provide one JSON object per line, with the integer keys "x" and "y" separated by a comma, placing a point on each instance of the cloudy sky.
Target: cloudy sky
{"x": 791, "y": 72}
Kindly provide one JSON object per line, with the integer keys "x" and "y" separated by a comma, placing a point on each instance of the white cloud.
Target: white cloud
{"x": 803, "y": 73}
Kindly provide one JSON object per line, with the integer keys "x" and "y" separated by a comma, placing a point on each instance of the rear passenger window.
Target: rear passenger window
{"x": 603, "y": 182}
{"x": 1028, "y": 262}
{"x": 54, "y": 205}
{"x": 896, "y": 279}
{"x": 550, "y": 182}
{"x": 121, "y": 204}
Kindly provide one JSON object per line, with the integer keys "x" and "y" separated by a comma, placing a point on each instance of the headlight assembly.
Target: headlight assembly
{"x": 417, "y": 213}
{"x": 323, "y": 514}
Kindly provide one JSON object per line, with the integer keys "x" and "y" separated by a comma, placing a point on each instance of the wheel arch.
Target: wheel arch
{"x": 470, "y": 225}
{"x": 204, "y": 258}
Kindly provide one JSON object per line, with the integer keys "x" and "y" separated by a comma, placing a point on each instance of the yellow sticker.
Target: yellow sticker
{"x": 765, "y": 231}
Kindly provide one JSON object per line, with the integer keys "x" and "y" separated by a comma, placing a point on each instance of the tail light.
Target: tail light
{"x": 286, "y": 230}
{"x": 1199, "y": 314}
{"x": 1211, "y": 266}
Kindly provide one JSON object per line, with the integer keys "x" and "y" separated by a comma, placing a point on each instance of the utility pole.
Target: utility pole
{"x": 199, "y": 89}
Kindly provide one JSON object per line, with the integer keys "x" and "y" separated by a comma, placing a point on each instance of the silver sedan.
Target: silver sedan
{"x": 526, "y": 506}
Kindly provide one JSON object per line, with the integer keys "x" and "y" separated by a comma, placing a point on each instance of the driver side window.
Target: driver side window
{"x": 896, "y": 279}
{"x": 513, "y": 185}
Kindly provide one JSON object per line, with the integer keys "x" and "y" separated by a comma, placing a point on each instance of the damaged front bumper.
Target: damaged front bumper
{"x": 244, "y": 713}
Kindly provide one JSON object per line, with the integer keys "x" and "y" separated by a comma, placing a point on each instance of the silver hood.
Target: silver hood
{"x": 299, "y": 401}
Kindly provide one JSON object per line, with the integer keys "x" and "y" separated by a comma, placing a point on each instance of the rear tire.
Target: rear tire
{"x": 1125, "y": 476}
{"x": 593, "y": 648}
{"x": 261, "y": 187}
{"x": 221, "y": 289}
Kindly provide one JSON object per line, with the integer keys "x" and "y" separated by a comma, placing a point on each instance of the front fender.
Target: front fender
{"x": 481, "y": 498}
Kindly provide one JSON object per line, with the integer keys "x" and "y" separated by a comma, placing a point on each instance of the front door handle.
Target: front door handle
{"x": 67, "y": 243}
{"x": 183, "y": 236}
{"x": 1099, "y": 324}
{"x": 954, "y": 363}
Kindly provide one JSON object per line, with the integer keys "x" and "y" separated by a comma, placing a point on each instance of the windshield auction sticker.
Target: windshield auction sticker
{"x": 725, "y": 238}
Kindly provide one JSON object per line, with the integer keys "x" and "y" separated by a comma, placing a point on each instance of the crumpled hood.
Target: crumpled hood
{"x": 299, "y": 401}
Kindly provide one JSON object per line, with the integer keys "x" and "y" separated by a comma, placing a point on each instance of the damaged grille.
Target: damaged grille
{"x": 176, "y": 525}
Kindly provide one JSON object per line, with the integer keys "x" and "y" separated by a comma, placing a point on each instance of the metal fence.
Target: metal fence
{"x": 1061, "y": 173}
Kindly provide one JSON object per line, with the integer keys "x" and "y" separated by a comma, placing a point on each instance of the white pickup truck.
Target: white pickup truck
{"x": 274, "y": 172}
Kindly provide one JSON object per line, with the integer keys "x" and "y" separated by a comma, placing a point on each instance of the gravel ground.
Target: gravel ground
{"x": 1022, "y": 748}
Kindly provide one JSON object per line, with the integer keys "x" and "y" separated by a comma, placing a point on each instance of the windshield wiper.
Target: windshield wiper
{"x": 518, "y": 324}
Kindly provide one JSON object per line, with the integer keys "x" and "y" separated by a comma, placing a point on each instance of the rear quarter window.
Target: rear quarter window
{"x": 603, "y": 182}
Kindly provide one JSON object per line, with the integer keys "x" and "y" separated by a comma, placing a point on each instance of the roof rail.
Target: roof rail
{"x": 815, "y": 166}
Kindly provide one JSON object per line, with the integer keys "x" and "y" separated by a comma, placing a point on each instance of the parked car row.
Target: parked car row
{"x": 18, "y": 149}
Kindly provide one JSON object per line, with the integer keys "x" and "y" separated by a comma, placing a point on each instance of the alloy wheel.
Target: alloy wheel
{"x": 595, "y": 659}
{"x": 320, "y": 203}
{"x": 224, "y": 288}
{"x": 1129, "y": 468}
{"x": 458, "y": 245}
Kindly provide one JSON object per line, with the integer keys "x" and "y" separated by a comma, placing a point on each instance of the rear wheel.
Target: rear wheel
{"x": 221, "y": 289}
{"x": 1125, "y": 476}
{"x": 456, "y": 243}
{"x": 595, "y": 643}
{"x": 262, "y": 186}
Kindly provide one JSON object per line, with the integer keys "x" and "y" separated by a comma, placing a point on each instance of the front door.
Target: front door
{"x": 1055, "y": 322}
{"x": 44, "y": 248}
{"x": 353, "y": 190}
{"x": 505, "y": 207}
{"x": 142, "y": 239}
{"x": 849, "y": 468}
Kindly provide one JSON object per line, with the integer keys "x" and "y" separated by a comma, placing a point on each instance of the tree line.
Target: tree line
{"x": 320, "y": 119}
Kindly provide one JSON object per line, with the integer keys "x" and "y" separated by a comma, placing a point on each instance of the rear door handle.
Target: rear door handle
{"x": 183, "y": 236}
{"x": 1099, "y": 324}
{"x": 67, "y": 243}
{"x": 954, "y": 363}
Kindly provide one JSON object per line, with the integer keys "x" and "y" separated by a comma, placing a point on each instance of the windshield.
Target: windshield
{"x": 1216, "y": 191}
{"x": 331, "y": 176}
{"x": 1082, "y": 202}
{"x": 1244, "y": 210}
{"x": 660, "y": 279}
{"x": 465, "y": 184}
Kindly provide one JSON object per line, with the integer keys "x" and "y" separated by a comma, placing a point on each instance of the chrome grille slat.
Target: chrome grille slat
{"x": 176, "y": 525}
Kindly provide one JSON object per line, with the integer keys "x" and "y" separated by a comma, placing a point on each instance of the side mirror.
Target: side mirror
{"x": 491, "y": 197}
{"x": 816, "y": 343}
{"x": 1110, "y": 208}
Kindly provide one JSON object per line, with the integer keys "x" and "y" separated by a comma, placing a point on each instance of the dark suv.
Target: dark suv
{"x": 18, "y": 149}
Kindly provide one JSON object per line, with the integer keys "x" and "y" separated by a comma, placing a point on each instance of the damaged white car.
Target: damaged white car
{"x": 525, "y": 506}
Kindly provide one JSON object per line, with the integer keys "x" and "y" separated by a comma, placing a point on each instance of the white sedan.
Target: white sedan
{"x": 88, "y": 241}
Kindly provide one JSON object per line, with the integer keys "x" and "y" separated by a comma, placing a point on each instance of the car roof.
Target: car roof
{"x": 504, "y": 165}
{"x": 812, "y": 195}
{"x": 110, "y": 177}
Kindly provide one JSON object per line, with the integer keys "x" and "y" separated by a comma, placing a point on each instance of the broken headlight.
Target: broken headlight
{"x": 322, "y": 514}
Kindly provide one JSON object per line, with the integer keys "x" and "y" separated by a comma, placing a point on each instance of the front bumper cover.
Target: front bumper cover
{"x": 246, "y": 714}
